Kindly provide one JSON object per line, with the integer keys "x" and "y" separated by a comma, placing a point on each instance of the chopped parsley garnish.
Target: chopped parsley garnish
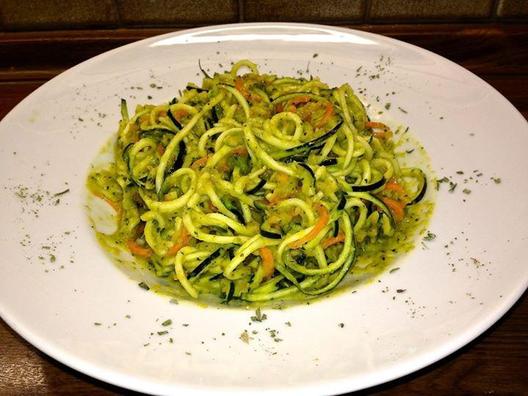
{"x": 143, "y": 285}
{"x": 259, "y": 316}
{"x": 168, "y": 322}
{"x": 440, "y": 181}
{"x": 274, "y": 335}
{"x": 244, "y": 336}
{"x": 61, "y": 193}
{"x": 429, "y": 236}
{"x": 496, "y": 180}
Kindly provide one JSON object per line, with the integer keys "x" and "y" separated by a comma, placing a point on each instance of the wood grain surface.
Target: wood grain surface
{"x": 495, "y": 363}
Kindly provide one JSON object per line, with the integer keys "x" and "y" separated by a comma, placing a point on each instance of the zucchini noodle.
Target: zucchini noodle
{"x": 254, "y": 187}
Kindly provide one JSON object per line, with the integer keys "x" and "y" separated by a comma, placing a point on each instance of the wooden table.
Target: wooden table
{"x": 495, "y": 363}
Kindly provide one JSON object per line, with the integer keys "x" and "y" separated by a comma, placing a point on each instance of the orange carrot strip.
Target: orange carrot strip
{"x": 385, "y": 134}
{"x": 200, "y": 162}
{"x": 138, "y": 250}
{"x": 240, "y": 150}
{"x": 329, "y": 111}
{"x": 275, "y": 198}
{"x": 180, "y": 113}
{"x": 255, "y": 98}
{"x": 396, "y": 207}
{"x": 183, "y": 240}
{"x": 211, "y": 207}
{"x": 300, "y": 99}
{"x": 376, "y": 125}
{"x": 324, "y": 216}
{"x": 267, "y": 261}
{"x": 393, "y": 185}
{"x": 140, "y": 228}
{"x": 241, "y": 87}
{"x": 282, "y": 177}
{"x": 333, "y": 240}
{"x": 222, "y": 166}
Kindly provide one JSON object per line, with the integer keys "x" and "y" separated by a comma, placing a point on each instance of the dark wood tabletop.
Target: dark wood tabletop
{"x": 494, "y": 363}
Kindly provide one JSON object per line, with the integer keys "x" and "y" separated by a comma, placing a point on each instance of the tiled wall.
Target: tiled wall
{"x": 72, "y": 14}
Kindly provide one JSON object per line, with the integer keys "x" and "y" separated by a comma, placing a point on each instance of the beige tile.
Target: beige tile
{"x": 512, "y": 8}
{"x": 180, "y": 12}
{"x": 303, "y": 10}
{"x": 409, "y": 10}
{"x": 57, "y": 14}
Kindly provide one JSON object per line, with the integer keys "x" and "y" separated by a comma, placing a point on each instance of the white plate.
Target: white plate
{"x": 451, "y": 294}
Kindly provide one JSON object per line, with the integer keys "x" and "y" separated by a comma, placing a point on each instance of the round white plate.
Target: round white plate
{"x": 60, "y": 291}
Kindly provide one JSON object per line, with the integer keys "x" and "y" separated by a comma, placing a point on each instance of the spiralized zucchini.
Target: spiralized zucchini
{"x": 255, "y": 187}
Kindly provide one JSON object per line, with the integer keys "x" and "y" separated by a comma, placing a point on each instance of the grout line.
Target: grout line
{"x": 118, "y": 11}
{"x": 240, "y": 10}
{"x": 456, "y": 20}
{"x": 495, "y": 11}
{"x": 366, "y": 13}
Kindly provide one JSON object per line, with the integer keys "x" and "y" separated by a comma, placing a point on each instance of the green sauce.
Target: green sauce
{"x": 257, "y": 189}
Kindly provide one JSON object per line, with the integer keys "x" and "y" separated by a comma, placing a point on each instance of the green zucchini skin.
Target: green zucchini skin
{"x": 369, "y": 187}
{"x": 204, "y": 264}
{"x": 198, "y": 89}
{"x": 329, "y": 162}
{"x": 257, "y": 188}
{"x": 182, "y": 152}
{"x": 202, "y": 69}
{"x": 307, "y": 167}
{"x": 271, "y": 235}
{"x": 176, "y": 123}
{"x": 305, "y": 148}
{"x": 422, "y": 192}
